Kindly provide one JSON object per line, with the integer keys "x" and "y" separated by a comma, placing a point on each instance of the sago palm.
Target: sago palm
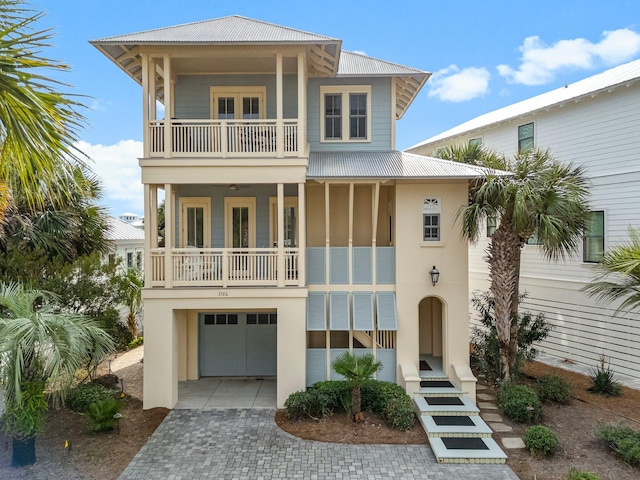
{"x": 40, "y": 349}
{"x": 619, "y": 275}
{"x": 541, "y": 198}
{"x": 357, "y": 369}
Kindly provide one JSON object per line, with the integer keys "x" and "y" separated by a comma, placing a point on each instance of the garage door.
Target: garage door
{"x": 237, "y": 344}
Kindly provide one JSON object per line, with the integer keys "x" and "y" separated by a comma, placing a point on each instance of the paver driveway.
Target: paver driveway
{"x": 247, "y": 444}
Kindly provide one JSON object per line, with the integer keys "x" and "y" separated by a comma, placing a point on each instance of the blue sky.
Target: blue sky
{"x": 483, "y": 54}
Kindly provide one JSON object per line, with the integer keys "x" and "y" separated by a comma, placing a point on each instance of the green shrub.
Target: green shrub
{"x": 553, "y": 388}
{"x": 540, "y": 440}
{"x": 390, "y": 401}
{"x": 519, "y": 403}
{"x": 307, "y": 404}
{"x": 576, "y": 474}
{"x": 603, "y": 382}
{"x": 83, "y": 395}
{"x": 625, "y": 442}
{"x": 337, "y": 391}
{"x": 27, "y": 420}
{"x": 102, "y": 414}
{"x": 136, "y": 342}
{"x": 121, "y": 336}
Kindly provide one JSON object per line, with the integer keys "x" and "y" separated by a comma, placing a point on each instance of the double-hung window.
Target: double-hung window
{"x": 346, "y": 113}
{"x": 593, "y": 240}
{"x": 525, "y": 137}
{"x": 431, "y": 219}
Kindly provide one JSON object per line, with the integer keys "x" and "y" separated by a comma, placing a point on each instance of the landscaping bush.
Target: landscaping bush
{"x": 540, "y": 440}
{"x": 603, "y": 382}
{"x": 102, "y": 414}
{"x": 337, "y": 392}
{"x": 136, "y": 342}
{"x": 625, "y": 442}
{"x": 390, "y": 401}
{"x": 576, "y": 474}
{"x": 553, "y": 388}
{"x": 121, "y": 336}
{"x": 519, "y": 403}
{"x": 83, "y": 395}
{"x": 313, "y": 404}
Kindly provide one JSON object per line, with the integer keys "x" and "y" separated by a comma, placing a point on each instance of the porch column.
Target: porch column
{"x": 145, "y": 104}
{"x": 302, "y": 104}
{"x": 302, "y": 237}
{"x": 327, "y": 267}
{"x": 350, "y": 245}
{"x": 150, "y": 218}
{"x": 169, "y": 233}
{"x": 279, "y": 108}
{"x": 167, "y": 106}
{"x": 281, "y": 262}
{"x": 374, "y": 241}
{"x": 152, "y": 89}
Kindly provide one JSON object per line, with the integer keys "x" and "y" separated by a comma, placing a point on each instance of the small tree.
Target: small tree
{"x": 130, "y": 283}
{"x": 357, "y": 369}
{"x": 39, "y": 349}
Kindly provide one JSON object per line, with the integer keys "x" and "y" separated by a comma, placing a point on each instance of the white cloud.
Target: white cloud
{"x": 540, "y": 62}
{"x": 117, "y": 166}
{"x": 454, "y": 85}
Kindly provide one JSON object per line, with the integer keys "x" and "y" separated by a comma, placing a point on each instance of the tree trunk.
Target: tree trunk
{"x": 355, "y": 400}
{"x": 24, "y": 452}
{"x": 503, "y": 256}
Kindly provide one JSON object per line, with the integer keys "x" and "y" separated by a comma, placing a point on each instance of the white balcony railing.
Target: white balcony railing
{"x": 210, "y": 267}
{"x": 224, "y": 138}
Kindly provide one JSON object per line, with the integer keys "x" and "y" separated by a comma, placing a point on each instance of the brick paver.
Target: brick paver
{"x": 247, "y": 444}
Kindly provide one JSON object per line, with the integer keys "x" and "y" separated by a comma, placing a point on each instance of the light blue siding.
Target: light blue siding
{"x": 386, "y": 311}
{"x": 363, "y": 311}
{"x": 317, "y": 311}
{"x": 381, "y": 116}
{"x": 193, "y": 93}
{"x": 362, "y": 265}
{"x": 386, "y": 265}
{"x": 388, "y": 358}
{"x": 339, "y": 265}
{"x": 316, "y": 365}
{"x": 339, "y": 318}
{"x": 316, "y": 266}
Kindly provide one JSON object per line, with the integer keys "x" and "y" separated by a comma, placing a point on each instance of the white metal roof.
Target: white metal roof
{"x": 621, "y": 75}
{"x": 388, "y": 165}
{"x": 233, "y": 29}
{"x": 357, "y": 65}
{"x": 119, "y": 230}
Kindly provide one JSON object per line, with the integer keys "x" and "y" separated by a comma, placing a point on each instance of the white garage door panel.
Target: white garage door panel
{"x": 261, "y": 350}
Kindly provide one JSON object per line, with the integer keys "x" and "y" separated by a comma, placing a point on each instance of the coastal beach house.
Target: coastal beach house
{"x": 127, "y": 242}
{"x": 594, "y": 122}
{"x": 295, "y": 230}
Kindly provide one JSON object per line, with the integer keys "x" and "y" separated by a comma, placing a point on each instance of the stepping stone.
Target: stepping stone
{"x": 491, "y": 417}
{"x": 500, "y": 427}
{"x": 480, "y": 387}
{"x": 512, "y": 443}
{"x": 484, "y": 396}
{"x": 487, "y": 405}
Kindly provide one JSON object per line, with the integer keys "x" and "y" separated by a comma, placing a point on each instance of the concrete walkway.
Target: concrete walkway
{"x": 247, "y": 444}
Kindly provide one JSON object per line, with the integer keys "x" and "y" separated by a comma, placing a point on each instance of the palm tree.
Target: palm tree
{"x": 40, "y": 350}
{"x": 38, "y": 124}
{"x": 357, "y": 369}
{"x": 619, "y": 275}
{"x": 542, "y": 199}
{"x": 130, "y": 283}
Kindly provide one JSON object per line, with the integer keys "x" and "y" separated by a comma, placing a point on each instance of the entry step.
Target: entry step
{"x": 467, "y": 450}
{"x": 445, "y": 406}
{"x": 455, "y": 426}
{"x": 439, "y": 388}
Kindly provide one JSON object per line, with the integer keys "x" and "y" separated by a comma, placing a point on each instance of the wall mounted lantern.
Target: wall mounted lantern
{"x": 435, "y": 275}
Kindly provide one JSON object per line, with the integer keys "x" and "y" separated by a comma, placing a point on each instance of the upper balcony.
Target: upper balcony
{"x": 225, "y": 138}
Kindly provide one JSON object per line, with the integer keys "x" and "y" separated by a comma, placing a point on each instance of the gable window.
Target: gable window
{"x": 525, "y": 137}
{"x": 431, "y": 219}
{"x": 593, "y": 240}
{"x": 475, "y": 142}
{"x": 346, "y": 113}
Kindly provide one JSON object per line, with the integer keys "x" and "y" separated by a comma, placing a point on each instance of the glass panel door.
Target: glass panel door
{"x": 195, "y": 222}
{"x": 195, "y": 227}
{"x": 240, "y": 227}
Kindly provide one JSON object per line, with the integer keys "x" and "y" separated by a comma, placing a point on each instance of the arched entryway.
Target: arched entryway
{"x": 431, "y": 336}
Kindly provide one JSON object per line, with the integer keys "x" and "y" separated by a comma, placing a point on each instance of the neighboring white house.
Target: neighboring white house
{"x": 132, "y": 218}
{"x": 596, "y": 123}
{"x": 127, "y": 243}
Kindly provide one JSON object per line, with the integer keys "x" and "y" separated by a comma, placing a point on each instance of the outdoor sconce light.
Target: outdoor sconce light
{"x": 435, "y": 275}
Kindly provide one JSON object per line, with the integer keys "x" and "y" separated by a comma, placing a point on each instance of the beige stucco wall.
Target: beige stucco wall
{"x": 414, "y": 259}
{"x": 171, "y": 331}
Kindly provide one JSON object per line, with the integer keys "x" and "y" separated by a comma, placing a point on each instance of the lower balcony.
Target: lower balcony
{"x": 224, "y": 267}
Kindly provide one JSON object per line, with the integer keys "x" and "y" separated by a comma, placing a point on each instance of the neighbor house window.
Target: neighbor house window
{"x": 431, "y": 219}
{"x": 346, "y": 113}
{"x": 593, "y": 240}
{"x": 475, "y": 142}
{"x": 129, "y": 259}
{"x": 525, "y": 137}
